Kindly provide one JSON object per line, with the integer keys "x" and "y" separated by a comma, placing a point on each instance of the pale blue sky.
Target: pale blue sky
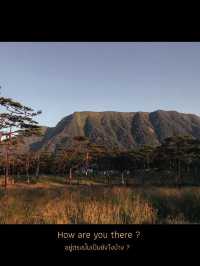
{"x": 61, "y": 78}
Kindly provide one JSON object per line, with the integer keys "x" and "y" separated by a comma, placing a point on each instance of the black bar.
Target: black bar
{"x": 41, "y": 241}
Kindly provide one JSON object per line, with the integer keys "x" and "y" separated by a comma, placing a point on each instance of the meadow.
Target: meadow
{"x": 50, "y": 201}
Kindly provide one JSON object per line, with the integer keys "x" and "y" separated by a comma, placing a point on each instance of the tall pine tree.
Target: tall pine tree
{"x": 16, "y": 120}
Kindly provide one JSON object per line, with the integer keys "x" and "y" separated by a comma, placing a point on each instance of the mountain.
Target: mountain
{"x": 124, "y": 130}
{"x": 31, "y": 142}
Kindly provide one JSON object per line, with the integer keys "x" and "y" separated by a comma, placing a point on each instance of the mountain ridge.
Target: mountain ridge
{"x": 124, "y": 130}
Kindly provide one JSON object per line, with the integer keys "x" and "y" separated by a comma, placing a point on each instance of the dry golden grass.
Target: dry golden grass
{"x": 61, "y": 204}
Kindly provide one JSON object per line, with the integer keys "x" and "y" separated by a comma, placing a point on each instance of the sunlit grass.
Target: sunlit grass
{"x": 50, "y": 202}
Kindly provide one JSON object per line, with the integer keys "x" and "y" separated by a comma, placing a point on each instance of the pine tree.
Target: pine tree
{"x": 16, "y": 120}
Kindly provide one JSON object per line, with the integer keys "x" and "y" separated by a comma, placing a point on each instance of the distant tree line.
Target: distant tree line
{"x": 179, "y": 155}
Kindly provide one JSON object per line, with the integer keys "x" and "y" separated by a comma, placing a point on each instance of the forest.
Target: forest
{"x": 176, "y": 161}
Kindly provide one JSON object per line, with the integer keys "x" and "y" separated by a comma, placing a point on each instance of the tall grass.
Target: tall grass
{"x": 99, "y": 205}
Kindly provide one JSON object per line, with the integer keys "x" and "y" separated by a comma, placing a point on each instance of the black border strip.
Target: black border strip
{"x": 41, "y": 241}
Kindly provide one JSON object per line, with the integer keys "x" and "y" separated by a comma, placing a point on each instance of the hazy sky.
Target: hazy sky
{"x": 61, "y": 78}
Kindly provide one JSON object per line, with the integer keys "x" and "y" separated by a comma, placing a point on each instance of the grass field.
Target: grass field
{"x": 55, "y": 202}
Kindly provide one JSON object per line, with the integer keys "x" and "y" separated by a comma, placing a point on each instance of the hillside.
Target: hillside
{"x": 124, "y": 130}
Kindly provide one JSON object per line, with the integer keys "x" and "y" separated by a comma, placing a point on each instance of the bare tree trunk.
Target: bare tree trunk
{"x": 6, "y": 169}
{"x": 8, "y": 136}
{"x": 122, "y": 180}
{"x": 78, "y": 179}
{"x": 178, "y": 172}
{"x": 148, "y": 164}
{"x": 108, "y": 178}
{"x": 27, "y": 171}
{"x": 37, "y": 172}
{"x": 70, "y": 175}
{"x": 13, "y": 173}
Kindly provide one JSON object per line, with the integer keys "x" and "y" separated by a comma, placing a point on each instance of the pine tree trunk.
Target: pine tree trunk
{"x": 70, "y": 175}
{"x": 108, "y": 179}
{"x": 122, "y": 181}
{"x": 37, "y": 170}
{"x": 78, "y": 179}
{"x": 13, "y": 173}
{"x": 179, "y": 172}
{"x": 6, "y": 169}
{"x": 27, "y": 172}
